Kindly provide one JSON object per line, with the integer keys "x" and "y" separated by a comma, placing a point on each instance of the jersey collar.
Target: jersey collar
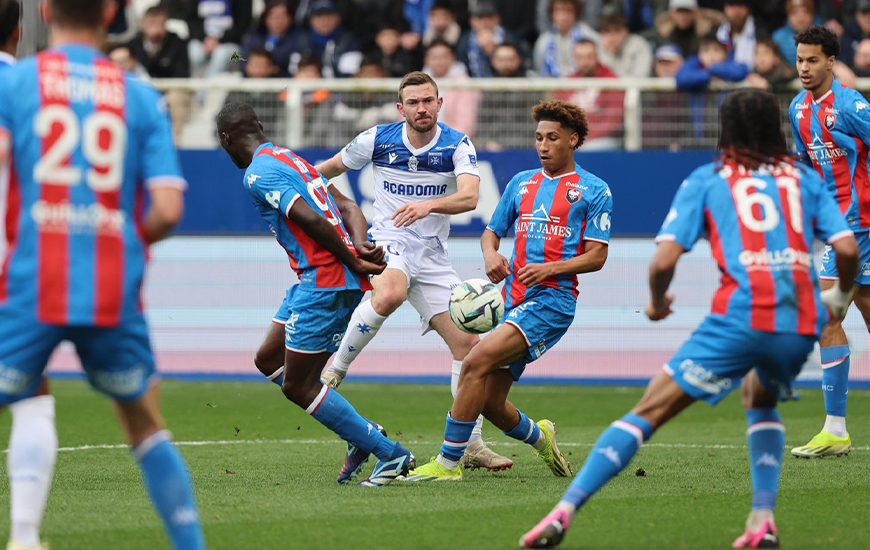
{"x": 574, "y": 173}
{"x": 426, "y": 147}
{"x": 834, "y": 84}
{"x": 261, "y": 147}
{"x": 6, "y": 59}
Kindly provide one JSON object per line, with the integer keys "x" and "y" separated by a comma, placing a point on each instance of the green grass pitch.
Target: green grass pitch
{"x": 265, "y": 475}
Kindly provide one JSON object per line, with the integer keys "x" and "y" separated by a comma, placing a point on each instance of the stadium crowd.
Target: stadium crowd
{"x": 693, "y": 42}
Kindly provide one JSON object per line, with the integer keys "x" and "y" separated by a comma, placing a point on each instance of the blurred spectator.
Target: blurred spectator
{"x": 370, "y": 15}
{"x": 668, "y": 60}
{"x": 338, "y": 49}
{"x": 459, "y": 110}
{"x": 861, "y": 64}
{"x": 260, "y": 64}
{"x": 162, "y": 53}
{"x": 442, "y": 25}
{"x": 626, "y": 54}
{"x": 216, "y": 30}
{"x": 589, "y": 12}
{"x": 275, "y": 33}
{"x": 519, "y": 17}
{"x": 374, "y": 107}
{"x": 604, "y": 108}
{"x": 417, "y": 12}
{"x": 639, "y": 14}
{"x": 507, "y": 61}
{"x": 124, "y": 58}
{"x": 269, "y": 105}
{"x": 396, "y": 60}
{"x": 771, "y": 70}
{"x": 799, "y": 17}
{"x": 856, "y": 32}
{"x": 476, "y": 46}
{"x": 123, "y": 26}
{"x": 685, "y": 24}
{"x": 554, "y": 49}
{"x": 712, "y": 63}
{"x": 739, "y": 31}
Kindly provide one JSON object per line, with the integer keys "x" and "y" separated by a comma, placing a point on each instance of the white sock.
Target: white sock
{"x": 539, "y": 443}
{"x": 446, "y": 462}
{"x": 455, "y": 369}
{"x": 30, "y": 465}
{"x": 835, "y": 425}
{"x": 364, "y": 324}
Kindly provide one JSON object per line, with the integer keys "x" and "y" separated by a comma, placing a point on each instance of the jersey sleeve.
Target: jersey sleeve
{"x": 159, "y": 165}
{"x": 5, "y": 133}
{"x": 358, "y": 152}
{"x": 858, "y": 115}
{"x": 799, "y": 145}
{"x": 505, "y": 213}
{"x": 276, "y": 189}
{"x": 465, "y": 158}
{"x": 599, "y": 217}
{"x": 684, "y": 223}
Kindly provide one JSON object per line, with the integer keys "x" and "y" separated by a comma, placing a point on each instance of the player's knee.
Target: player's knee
{"x": 387, "y": 300}
{"x": 463, "y": 346}
{"x": 266, "y": 363}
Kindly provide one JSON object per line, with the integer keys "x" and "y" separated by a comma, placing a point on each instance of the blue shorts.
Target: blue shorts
{"x": 543, "y": 319}
{"x": 720, "y": 353}
{"x": 315, "y": 321}
{"x": 118, "y": 361}
{"x": 829, "y": 264}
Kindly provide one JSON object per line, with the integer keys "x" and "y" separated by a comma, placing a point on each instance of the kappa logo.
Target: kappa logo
{"x": 252, "y": 178}
{"x": 860, "y": 106}
{"x": 524, "y": 191}
{"x": 612, "y": 455}
{"x": 672, "y": 215}
{"x": 767, "y": 459}
{"x": 799, "y": 115}
{"x": 291, "y": 322}
{"x": 540, "y": 215}
{"x": 393, "y": 157}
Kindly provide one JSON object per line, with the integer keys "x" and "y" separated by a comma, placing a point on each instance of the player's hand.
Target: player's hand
{"x": 837, "y": 302}
{"x": 497, "y": 267}
{"x": 369, "y": 252}
{"x": 532, "y": 274}
{"x": 659, "y": 311}
{"x": 410, "y": 212}
{"x": 210, "y": 44}
{"x": 368, "y": 268}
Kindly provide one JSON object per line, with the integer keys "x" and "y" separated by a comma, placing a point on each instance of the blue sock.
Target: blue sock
{"x": 835, "y": 379}
{"x": 277, "y": 377}
{"x": 525, "y": 430}
{"x": 612, "y": 452}
{"x": 333, "y": 411}
{"x": 456, "y": 436}
{"x": 766, "y": 438}
{"x": 168, "y": 483}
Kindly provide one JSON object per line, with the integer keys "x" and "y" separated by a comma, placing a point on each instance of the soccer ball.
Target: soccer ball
{"x": 476, "y": 306}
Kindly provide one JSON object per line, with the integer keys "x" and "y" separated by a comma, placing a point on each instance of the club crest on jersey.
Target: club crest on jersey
{"x": 434, "y": 159}
{"x": 830, "y": 120}
{"x": 413, "y": 163}
{"x": 573, "y": 195}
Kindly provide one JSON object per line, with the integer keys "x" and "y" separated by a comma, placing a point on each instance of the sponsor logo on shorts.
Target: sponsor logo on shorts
{"x": 539, "y": 349}
{"x": 121, "y": 383}
{"x": 12, "y": 381}
{"x": 515, "y": 312}
{"x": 865, "y": 269}
{"x": 703, "y": 379}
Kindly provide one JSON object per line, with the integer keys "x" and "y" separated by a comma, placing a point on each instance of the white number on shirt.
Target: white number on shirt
{"x": 770, "y": 217}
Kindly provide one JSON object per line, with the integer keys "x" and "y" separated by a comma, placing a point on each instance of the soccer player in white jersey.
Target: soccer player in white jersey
{"x": 424, "y": 172}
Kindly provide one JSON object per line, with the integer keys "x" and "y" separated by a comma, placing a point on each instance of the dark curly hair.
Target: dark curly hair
{"x": 570, "y": 116}
{"x": 822, "y": 36}
{"x": 750, "y": 130}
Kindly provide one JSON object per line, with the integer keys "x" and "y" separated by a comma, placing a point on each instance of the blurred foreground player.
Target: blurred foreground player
{"x": 33, "y": 438}
{"x": 831, "y": 128}
{"x": 81, "y": 137}
{"x": 561, "y": 219}
{"x": 760, "y": 213}
{"x": 308, "y": 220}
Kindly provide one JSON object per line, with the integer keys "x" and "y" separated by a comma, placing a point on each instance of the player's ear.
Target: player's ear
{"x": 260, "y": 124}
{"x": 45, "y": 12}
{"x": 109, "y": 12}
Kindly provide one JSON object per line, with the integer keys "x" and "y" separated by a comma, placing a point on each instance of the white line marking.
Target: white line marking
{"x": 412, "y": 442}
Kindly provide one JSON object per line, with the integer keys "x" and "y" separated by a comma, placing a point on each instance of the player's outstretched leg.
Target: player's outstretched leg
{"x": 612, "y": 452}
{"x": 164, "y": 472}
{"x": 833, "y": 440}
{"x": 30, "y": 463}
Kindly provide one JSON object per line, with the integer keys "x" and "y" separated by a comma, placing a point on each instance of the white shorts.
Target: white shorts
{"x": 423, "y": 260}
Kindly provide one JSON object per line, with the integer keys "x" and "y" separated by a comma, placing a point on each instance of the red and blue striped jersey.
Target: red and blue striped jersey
{"x": 760, "y": 224}
{"x": 552, "y": 219}
{"x": 86, "y": 141}
{"x": 276, "y": 179}
{"x": 834, "y": 132}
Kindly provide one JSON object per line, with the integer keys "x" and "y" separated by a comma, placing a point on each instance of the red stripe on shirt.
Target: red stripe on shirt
{"x": 109, "y": 245}
{"x": 527, "y": 204}
{"x": 839, "y": 165}
{"x": 13, "y": 210}
{"x": 554, "y": 245}
{"x": 804, "y": 289}
{"x": 53, "y": 239}
{"x": 762, "y": 292}
{"x": 727, "y": 283}
{"x": 862, "y": 183}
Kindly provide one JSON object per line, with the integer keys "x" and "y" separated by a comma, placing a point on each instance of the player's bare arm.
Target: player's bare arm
{"x": 592, "y": 259}
{"x": 357, "y": 227}
{"x": 318, "y": 228}
{"x": 464, "y": 200}
{"x": 332, "y": 167}
{"x": 167, "y": 207}
{"x": 497, "y": 266}
{"x": 661, "y": 273}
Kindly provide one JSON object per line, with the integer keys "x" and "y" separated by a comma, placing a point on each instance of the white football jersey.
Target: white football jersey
{"x": 404, "y": 174}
